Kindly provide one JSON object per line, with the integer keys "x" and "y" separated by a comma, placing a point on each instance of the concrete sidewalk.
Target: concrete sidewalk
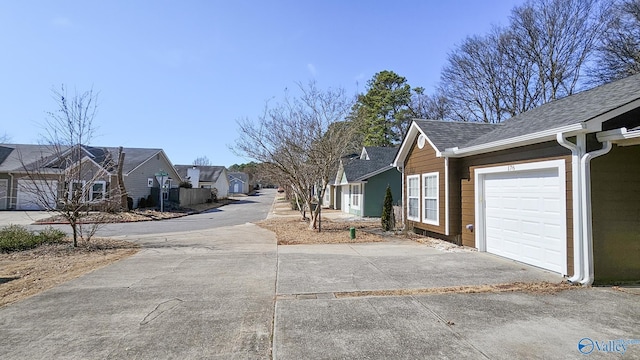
{"x": 22, "y": 217}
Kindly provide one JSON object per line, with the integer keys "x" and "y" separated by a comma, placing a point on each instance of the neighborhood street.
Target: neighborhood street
{"x": 215, "y": 286}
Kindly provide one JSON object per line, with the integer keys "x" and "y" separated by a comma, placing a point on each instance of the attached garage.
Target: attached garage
{"x": 29, "y": 194}
{"x": 522, "y": 213}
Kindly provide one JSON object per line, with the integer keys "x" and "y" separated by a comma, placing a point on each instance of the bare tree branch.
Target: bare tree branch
{"x": 70, "y": 177}
{"x": 300, "y": 141}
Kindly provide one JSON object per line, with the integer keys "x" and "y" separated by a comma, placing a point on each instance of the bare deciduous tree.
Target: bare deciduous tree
{"x": 70, "y": 177}
{"x": 202, "y": 161}
{"x": 425, "y": 106}
{"x": 538, "y": 58}
{"x": 486, "y": 80}
{"x": 618, "y": 54}
{"x": 558, "y": 37}
{"x": 300, "y": 141}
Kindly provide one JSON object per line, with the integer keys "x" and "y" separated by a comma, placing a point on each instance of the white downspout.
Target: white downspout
{"x": 586, "y": 212}
{"x": 577, "y": 150}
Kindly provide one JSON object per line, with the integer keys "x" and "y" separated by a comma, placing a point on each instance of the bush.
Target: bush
{"x": 51, "y": 235}
{"x": 129, "y": 203}
{"x": 186, "y": 184}
{"x": 18, "y": 238}
{"x": 142, "y": 203}
{"x": 151, "y": 201}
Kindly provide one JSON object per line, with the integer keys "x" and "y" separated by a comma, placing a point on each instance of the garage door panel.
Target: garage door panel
{"x": 525, "y": 217}
{"x": 30, "y": 194}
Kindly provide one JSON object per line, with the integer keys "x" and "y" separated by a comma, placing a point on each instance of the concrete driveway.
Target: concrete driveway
{"x": 230, "y": 292}
{"x": 202, "y": 295}
{"x": 312, "y": 323}
{"x": 21, "y": 217}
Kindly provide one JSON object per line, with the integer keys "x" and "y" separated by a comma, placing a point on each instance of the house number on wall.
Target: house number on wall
{"x": 511, "y": 168}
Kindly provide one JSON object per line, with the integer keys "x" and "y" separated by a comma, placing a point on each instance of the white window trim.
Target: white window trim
{"x": 83, "y": 189}
{"x": 87, "y": 190}
{"x": 435, "y": 222}
{"x": 104, "y": 190}
{"x": 357, "y": 195}
{"x": 409, "y": 217}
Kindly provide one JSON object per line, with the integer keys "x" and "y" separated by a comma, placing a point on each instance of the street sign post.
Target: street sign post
{"x": 161, "y": 176}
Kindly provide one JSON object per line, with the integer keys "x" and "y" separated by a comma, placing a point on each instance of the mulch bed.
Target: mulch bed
{"x": 294, "y": 231}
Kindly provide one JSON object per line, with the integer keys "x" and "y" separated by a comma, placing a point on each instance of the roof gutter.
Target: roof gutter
{"x": 620, "y": 136}
{"x": 528, "y": 139}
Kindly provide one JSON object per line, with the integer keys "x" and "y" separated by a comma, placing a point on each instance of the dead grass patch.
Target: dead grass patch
{"x": 26, "y": 273}
{"x": 293, "y": 231}
{"x": 532, "y": 288}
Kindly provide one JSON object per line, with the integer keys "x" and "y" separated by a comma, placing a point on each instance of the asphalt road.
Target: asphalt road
{"x": 248, "y": 209}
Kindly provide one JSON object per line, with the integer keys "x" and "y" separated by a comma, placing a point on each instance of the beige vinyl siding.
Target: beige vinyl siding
{"x": 136, "y": 181}
{"x": 222, "y": 184}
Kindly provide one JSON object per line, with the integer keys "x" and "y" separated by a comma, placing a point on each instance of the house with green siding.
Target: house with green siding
{"x": 361, "y": 182}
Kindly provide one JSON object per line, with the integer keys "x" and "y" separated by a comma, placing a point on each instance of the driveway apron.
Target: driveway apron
{"x": 205, "y": 294}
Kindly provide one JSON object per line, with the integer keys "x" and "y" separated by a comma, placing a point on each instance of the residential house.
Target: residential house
{"x": 140, "y": 167}
{"x": 557, "y": 187}
{"x": 361, "y": 182}
{"x": 238, "y": 183}
{"x": 206, "y": 177}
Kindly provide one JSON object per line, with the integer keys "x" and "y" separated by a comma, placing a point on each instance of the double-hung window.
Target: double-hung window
{"x": 82, "y": 191}
{"x": 430, "y": 198}
{"x": 98, "y": 190}
{"x": 413, "y": 197}
{"x": 355, "y": 196}
{"x": 77, "y": 192}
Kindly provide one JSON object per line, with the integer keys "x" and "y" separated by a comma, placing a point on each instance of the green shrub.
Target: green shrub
{"x": 151, "y": 201}
{"x": 50, "y": 235}
{"x": 18, "y": 238}
{"x": 142, "y": 203}
{"x": 15, "y": 238}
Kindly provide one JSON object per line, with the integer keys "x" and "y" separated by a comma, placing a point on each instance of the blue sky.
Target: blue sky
{"x": 178, "y": 74}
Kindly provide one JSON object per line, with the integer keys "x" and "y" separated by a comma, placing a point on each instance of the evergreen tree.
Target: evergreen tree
{"x": 387, "y": 217}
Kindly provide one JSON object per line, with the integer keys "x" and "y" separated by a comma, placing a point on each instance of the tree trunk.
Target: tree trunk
{"x": 74, "y": 226}
{"x": 123, "y": 191}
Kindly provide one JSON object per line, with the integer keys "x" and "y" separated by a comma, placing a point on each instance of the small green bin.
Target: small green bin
{"x": 352, "y": 233}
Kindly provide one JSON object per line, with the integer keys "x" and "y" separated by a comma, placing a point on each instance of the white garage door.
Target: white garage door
{"x": 525, "y": 217}
{"x": 31, "y": 194}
